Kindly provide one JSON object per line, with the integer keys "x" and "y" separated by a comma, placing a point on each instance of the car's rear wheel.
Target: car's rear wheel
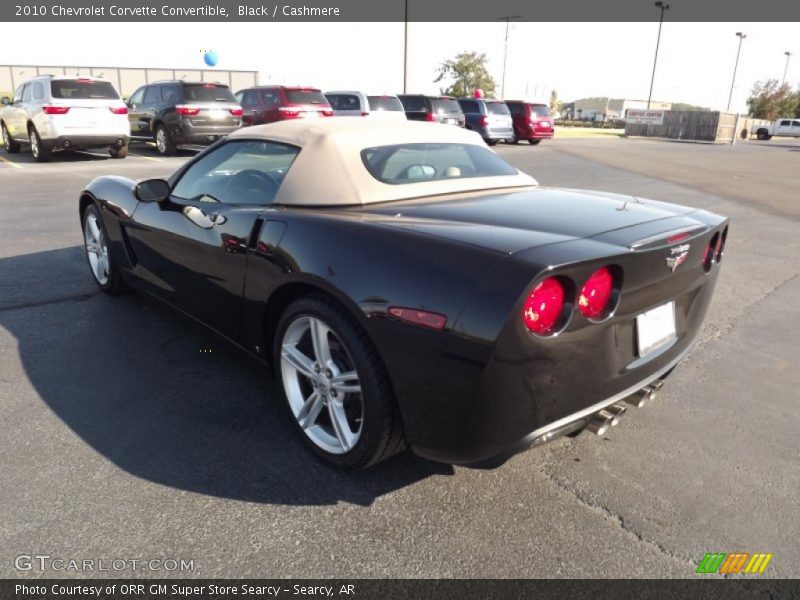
{"x": 335, "y": 385}
{"x": 118, "y": 151}
{"x": 41, "y": 153}
{"x": 101, "y": 262}
{"x": 491, "y": 142}
{"x": 534, "y": 142}
{"x": 763, "y": 134}
{"x": 11, "y": 145}
{"x": 164, "y": 143}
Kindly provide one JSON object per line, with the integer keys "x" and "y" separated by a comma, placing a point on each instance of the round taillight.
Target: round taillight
{"x": 544, "y": 307}
{"x": 720, "y": 246}
{"x": 710, "y": 253}
{"x": 596, "y": 293}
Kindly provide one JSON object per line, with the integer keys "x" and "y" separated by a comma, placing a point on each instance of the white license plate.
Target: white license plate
{"x": 655, "y": 328}
{"x": 310, "y": 114}
{"x": 545, "y": 124}
{"x": 452, "y": 121}
{"x": 216, "y": 114}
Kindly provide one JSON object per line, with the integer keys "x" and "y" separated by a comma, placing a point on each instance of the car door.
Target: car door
{"x": 270, "y": 105}
{"x": 191, "y": 250}
{"x": 136, "y": 113}
{"x": 251, "y": 107}
{"x": 13, "y": 119}
{"x": 783, "y": 127}
{"x": 795, "y": 129}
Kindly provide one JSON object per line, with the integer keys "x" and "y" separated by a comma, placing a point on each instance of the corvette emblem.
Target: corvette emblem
{"x": 678, "y": 256}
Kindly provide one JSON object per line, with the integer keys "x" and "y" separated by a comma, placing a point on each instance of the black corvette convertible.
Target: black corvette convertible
{"x": 409, "y": 287}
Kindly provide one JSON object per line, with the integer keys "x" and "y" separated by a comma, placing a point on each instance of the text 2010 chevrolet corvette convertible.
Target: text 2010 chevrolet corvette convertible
{"x": 409, "y": 287}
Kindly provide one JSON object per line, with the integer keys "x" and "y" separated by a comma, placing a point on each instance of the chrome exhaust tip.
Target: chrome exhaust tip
{"x": 641, "y": 397}
{"x": 616, "y": 411}
{"x": 600, "y": 422}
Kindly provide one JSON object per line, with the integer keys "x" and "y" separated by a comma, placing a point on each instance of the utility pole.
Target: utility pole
{"x": 786, "y": 68}
{"x": 663, "y": 6}
{"x": 508, "y": 20}
{"x": 741, "y": 37}
{"x": 405, "y": 51}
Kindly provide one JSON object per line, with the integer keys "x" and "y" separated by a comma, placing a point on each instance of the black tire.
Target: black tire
{"x": 118, "y": 151}
{"x": 11, "y": 146}
{"x": 491, "y": 142}
{"x": 41, "y": 153}
{"x": 381, "y": 433}
{"x": 114, "y": 284}
{"x": 168, "y": 147}
{"x": 534, "y": 142}
{"x": 762, "y": 134}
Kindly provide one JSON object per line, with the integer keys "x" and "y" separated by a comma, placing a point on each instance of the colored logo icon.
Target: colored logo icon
{"x": 736, "y": 562}
{"x": 210, "y": 58}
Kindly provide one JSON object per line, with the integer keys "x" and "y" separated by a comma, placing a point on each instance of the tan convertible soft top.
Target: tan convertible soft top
{"x": 329, "y": 169}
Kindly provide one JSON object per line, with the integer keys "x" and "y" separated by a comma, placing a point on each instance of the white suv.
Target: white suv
{"x": 70, "y": 113}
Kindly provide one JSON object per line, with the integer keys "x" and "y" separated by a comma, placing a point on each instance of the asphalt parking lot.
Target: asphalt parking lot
{"x": 129, "y": 431}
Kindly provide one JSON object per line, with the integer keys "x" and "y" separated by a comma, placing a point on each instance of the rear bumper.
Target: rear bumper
{"x": 186, "y": 133}
{"x": 497, "y": 133}
{"x": 81, "y": 142}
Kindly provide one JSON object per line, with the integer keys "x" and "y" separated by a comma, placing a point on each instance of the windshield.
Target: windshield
{"x": 385, "y": 103}
{"x": 539, "y": 110}
{"x": 207, "y": 92}
{"x": 83, "y": 89}
{"x": 412, "y": 163}
{"x": 344, "y": 101}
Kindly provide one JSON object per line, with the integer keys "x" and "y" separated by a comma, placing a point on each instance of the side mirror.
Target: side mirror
{"x": 152, "y": 190}
{"x": 5, "y": 101}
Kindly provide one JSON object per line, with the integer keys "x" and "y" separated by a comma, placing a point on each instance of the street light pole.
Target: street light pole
{"x": 663, "y": 6}
{"x": 741, "y": 37}
{"x": 405, "y": 51}
{"x": 786, "y": 68}
{"x": 505, "y": 53}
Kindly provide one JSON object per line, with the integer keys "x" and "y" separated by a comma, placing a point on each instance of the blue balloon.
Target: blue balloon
{"x": 210, "y": 58}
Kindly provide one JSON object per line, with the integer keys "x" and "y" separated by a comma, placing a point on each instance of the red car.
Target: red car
{"x": 267, "y": 104}
{"x": 532, "y": 122}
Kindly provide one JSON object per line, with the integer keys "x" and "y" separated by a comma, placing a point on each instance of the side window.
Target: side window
{"x": 246, "y": 172}
{"x": 153, "y": 94}
{"x": 250, "y": 98}
{"x": 785, "y": 123}
{"x": 795, "y": 123}
{"x": 26, "y": 93}
{"x": 137, "y": 96}
{"x": 18, "y": 94}
{"x": 469, "y": 106}
{"x": 38, "y": 90}
{"x": 169, "y": 93}
{"x": 269, "y": 98}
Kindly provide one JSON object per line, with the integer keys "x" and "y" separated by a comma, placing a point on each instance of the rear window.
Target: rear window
{"x": 207, "y": 92}
{"x": 539, "y": 110}
{"x": 445, "y": 105}
{"x": 413, "y": 163}
{"x": 414, "y": 103}
{"x": 82, "y": 89}
{"x": 384, "y": 103}
{"x": 469, "y": 106}
{"x": 305, "y": 97}
{"x": 497, "y": 108}
{"x": 344, "y": 101}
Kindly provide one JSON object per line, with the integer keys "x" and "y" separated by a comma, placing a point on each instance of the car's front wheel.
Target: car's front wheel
{"x": 335, "y": 385}
{"x": 11, "y": 145}
{"x": 101, "y": 262}
{"x": 118, "y": 151}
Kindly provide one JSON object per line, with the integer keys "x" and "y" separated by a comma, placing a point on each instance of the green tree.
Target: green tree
{"x": 769, "y": 100}
{"x": 555, "y": 104}
{"x": 465, "y": 73}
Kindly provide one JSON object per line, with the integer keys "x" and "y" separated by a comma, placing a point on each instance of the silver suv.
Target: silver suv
{"x": 65, "y": 113}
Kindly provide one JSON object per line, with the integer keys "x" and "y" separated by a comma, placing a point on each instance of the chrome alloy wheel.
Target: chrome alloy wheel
{"x": 322, "y": 385}
{"x": 161, "y": 140}
{"x": 34, "y": 139}
{"x": 6, "y": 137}
{"x": 96, "y": 249}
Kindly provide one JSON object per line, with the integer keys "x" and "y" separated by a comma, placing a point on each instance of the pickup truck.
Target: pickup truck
{"x": 785, "y": 127}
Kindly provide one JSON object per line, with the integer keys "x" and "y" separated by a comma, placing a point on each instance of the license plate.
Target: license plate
{"x": 545, "y": 124}
{"x": 655, "y": 328}
{"x": 311, "y": 114}
{"x": 452, "y": 121}
{"x": 216, "y": 114}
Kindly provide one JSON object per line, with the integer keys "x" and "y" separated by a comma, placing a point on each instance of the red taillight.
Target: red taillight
{"x": 364, "y": 113}
{"x": 237, "y": 112}
{"x": 678, "y": 237}
{"x": 327, "y": 113}
{"x": 288, "y": 113}
{"x": 484, "y": 121}
{"x": 118, "y": 110}
{"x": 430, "y": 117}
{"x": 187, "y": 111}
{"x": 596, "y": 293}
{"x": 544, "y": 307}
{"x": 55, "y": 110}
{"x": 419, "y": 317}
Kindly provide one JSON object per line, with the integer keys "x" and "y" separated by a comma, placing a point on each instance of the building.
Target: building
{"x": 607, "y": 109}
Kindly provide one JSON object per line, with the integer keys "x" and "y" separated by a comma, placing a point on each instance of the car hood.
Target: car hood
{"x": 516, "y": 220}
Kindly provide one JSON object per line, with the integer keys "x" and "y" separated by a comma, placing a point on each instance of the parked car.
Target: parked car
{"x": 490, "y": 118}
{"x": 783, "y": 127}
{"x": 177, "y": 113}
{"x": 386, "y": 106}
{"x": 532, "y": 121}
{"x": 65, "y": 113}
{"x": 435, "y": 109}
{"x": 409, "y": 287}
{"x": 348, "y": 104}
{"x": 268, "y": 104}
